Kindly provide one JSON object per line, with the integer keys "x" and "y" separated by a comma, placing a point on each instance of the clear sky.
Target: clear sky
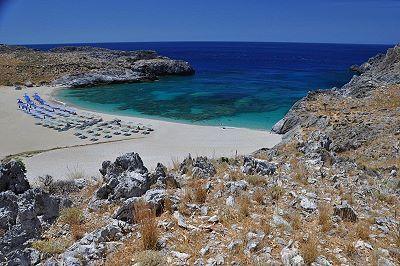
{"x": 68, "y": 21}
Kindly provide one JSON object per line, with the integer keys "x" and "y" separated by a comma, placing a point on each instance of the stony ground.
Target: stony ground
{"x": 327, "y": 195}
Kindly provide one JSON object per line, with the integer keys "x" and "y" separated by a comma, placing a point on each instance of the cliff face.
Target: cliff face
{"x": 84, "y": 66}
{"x": 379, "y": 72}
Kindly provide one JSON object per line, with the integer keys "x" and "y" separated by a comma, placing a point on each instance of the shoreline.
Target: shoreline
{"x": 54, "y": 98}
{"x": 170, "y": 141}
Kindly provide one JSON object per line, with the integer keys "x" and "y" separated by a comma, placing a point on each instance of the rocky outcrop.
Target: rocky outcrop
{"x": 12, "y": 177}
{"x": 256, "y": 166}
{"x": 381, "y": 70}
{"x": 84, "y": 66}
{"x": 125, "y": 178}
{"x": 200, "y": 167}
{"x": 24, "y": 212}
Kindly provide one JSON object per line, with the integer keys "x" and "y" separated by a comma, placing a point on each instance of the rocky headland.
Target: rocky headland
{"x": 328, "y": 194}
{"x": 84, "y": 66}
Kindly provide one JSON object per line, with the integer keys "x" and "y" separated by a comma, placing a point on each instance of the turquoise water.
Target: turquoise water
{"x": 248, "y": 85}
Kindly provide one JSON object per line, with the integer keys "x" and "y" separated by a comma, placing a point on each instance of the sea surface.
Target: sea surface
{"x": 237, "y": 84}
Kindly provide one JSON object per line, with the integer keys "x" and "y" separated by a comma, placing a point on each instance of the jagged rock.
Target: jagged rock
{"x": 346, "y": 212}
{"x": 180, "y": 255}
{"x": 130, "y": 162}
{"x": 236, "y": 187}
{"x": 256, "y": 166}
{"x": 154, "y": 198}
{"x": 28, "y": 214}
{"x": 290, "y": 256}
{"x": 308, "y": 204}
{"x": 12, "y": 177}
{"x": 24, "y": 257}
{"x": 125, "y": 178}
{"x": 253, "y": 241}
{"x": 93, "y": 246}
{"x": 278, "y": 220}
{"x": 321, "y": 261}
{"x": 201, "y": 167}
{"x": 230, "y": 201}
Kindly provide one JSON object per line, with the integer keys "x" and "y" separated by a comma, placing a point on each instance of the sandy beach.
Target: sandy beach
{"x": 61, "y": 153}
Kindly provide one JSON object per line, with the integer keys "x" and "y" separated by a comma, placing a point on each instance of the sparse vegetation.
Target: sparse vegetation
{"x": 51, "y": 246}
{"x": 145, "y": 216}
{"x": 309, "y": 249}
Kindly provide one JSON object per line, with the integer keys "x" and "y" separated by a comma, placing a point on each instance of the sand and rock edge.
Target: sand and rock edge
{"x": 328, "y": 194}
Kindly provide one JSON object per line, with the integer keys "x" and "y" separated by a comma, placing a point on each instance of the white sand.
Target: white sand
{"x": 170, "y": 141}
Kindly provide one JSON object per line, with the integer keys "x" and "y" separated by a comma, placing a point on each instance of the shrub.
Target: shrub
{"x": 244, "y": 205}
{"x": 258, "y": 196}
{"x": 256, "y": 180}
{"x": 72, "y": 216}
{"x": 276, "y": 192}
{"x": 362, "y": 230}
{"x": 309, "y": 250}
{"x": 145, "y": 216}
{"x": 199, "y": 193}
{"x": 324, "y": 217}
{"x": 21, "y": 164}
{"x": 295, "y": 220}
{"x": 51, "y": 246}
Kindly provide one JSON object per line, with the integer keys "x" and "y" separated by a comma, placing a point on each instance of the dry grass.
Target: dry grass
{"x": 75, "y": 173}
{"x": 258, "y": 196}
{"x": 199, "y": 193}
{"x": 324, "y": 217}
{"x": 51, "y": 246}
{"x": 295, "y": 220}
{"x": 299, "y": 171}
{"x": 276, "y": 192}
{"x": 256, "y": 180}
{"x": 244, "y": 204}
{"x": 362, "y": 230}
{"x": 145, "y": 216}
{"x": 309, "y": 249}
{"x": 74, "y": 217}
{"x": 236, "y": 174}
{"x": 149, "y": 258}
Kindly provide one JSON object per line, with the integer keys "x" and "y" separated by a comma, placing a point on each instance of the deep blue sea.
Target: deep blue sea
{"x": 236, "y": 84}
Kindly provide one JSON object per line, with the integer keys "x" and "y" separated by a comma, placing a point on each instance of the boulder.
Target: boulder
{"x": 12, "y": 177}
{"x": 255, "y": 166}
{"x": 154, "y": 198}
{"x": 346, "y": 212}
{"x": 127, "y": 177}
{"x": 25, "y": 217}
{"x": 201, "y": 167}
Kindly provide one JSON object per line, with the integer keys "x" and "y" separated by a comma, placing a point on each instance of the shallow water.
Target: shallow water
{"x": 248, "y": 85}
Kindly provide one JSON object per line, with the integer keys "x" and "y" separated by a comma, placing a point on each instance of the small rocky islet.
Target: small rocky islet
{"x": 328, "y": 194}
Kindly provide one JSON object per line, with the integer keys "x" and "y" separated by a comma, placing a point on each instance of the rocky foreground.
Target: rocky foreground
{"x": 83, "y": 66}
{"x": 327, "y": 195}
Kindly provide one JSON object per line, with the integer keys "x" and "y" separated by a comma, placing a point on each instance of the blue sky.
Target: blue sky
{"x": 68, "y": 21}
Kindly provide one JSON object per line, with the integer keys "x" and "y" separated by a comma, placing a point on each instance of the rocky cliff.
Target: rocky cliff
{"x": 84, "y": 66}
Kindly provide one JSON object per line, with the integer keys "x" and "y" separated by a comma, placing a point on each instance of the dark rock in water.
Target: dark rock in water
{"x": 346, "y": 212}
{"x": 256, "y": 166}
{"x": 12, "y": 177}
{"x": 163, "y": 66}
{"x": 26, "y": 215}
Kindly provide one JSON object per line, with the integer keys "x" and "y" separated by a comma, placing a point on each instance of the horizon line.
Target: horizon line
{"x": 181, "y": 41}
